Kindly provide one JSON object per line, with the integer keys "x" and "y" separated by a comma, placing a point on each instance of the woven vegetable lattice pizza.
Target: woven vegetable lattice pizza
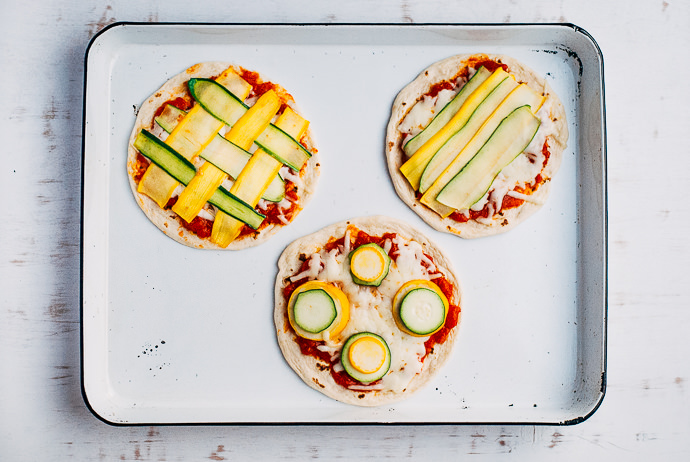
{"x": 221, "y": 158}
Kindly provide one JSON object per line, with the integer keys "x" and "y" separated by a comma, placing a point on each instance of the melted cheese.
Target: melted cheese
{"x": 522, "y": 171}
{"x": 287, "y": 174}
{"x": 424, "y": 111}
{"x": 371, "y": 307}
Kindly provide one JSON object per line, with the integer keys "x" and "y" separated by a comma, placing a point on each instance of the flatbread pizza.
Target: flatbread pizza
{"x": 473, "y": 143}
{"x": 220, "y": 157}
{"x": 366, "y": 310}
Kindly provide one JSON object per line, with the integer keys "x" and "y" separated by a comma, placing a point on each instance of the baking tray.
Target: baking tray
{"x": 532, "y": 343}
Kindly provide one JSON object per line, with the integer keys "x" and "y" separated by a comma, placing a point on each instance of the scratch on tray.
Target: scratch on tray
{"x": 214, "y": 455}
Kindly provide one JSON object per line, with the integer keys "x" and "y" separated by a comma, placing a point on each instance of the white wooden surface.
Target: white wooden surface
{"x": 646, "y": 411}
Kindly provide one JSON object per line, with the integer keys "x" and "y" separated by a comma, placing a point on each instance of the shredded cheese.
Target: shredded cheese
{"x": 287, "y": 174}
{"x": 370, "y": 308}
{"x": 312, "y": 270}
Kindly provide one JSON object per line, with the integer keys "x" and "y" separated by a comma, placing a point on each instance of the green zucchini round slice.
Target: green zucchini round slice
{"x": 366, "y": 357}
{"x": 422, "y": 311}
{"x": 314, "y": 310}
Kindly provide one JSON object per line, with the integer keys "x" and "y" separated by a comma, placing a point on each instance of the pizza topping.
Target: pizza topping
{"x": 416, "y": 164}
{"x": 318, "y": 311}
{"x": 209, "y": 177}
{"x": 367, "y": 354}
{"x": 420, "y": 308}
{"x": 369, "y": 264}
{"x": 222, "y": 153}
{"x": 447, "y": 113}
{"x": 438, "y": 161}
{"x": 314, "y": 310}
{"x": 509, "y": 139}
{"x": 366, "y": 357}
{"x": 526, "y": 172}
{"x": 257, "y": 175}
{"x": 196, "y": 129}
{"x": 371, "y": 308}
{"x": 421, "y": 113}
{"x": 203, "y": 136}
{"x": 182, "y": 171}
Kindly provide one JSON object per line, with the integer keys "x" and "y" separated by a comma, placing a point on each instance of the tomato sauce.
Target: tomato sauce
{"x": 141, "y": 164}
{"x": 476, "y": 62}
{"x": 358, "y": 238}
{"x": 259, "y": 87}
{"x": 273, "y": 211}
{"x": 489, "y": 64}
{"x": 438, "y": 87}
{"x": 184, "y": 103}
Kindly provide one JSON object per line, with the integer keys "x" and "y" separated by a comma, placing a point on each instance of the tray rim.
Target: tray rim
{"x": 605, "y": 244}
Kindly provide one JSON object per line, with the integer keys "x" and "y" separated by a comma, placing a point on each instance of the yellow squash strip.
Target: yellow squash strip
{"x": 522, "y": 95}
{"x": 194, "y": 132}
{"x": 454, "y": 145}
{"x": 255, "y": 178}
{"x": 209, "y": 177}
{"x": 415, "y": 165}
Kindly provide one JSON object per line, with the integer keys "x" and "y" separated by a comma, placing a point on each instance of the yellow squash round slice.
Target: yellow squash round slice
{"x": 367, "y": 354}
{"x": 369, "y": 265}
{"x": 366, "y": 357}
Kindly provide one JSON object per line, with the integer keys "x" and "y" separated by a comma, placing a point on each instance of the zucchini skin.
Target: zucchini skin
{"x": 275, "y": 191}
{"x": 352, "y": 372}
{"x": 280, "y": 145}
{"x": 378, "y": 281}
{"x": 409, "y": 319}
{"x": 299, "y": 314}
{"x": 183, "y": 171}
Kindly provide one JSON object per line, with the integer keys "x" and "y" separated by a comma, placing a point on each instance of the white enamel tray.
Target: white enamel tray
{"x": 159, "y": 347}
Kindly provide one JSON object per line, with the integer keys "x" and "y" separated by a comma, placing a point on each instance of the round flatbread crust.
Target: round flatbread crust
{"x": 307, "y": 367}
{"x": 447, "y": 69}
{"x": 166, "y": 220}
